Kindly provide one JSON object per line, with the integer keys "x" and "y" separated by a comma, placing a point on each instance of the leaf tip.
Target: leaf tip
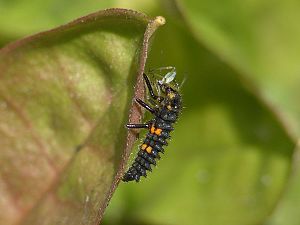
{"x": 160, "y": 20}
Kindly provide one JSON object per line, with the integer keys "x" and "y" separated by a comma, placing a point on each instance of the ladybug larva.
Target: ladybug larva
{"x": 165, "y": 107}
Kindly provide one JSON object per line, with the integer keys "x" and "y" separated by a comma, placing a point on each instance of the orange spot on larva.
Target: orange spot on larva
{"x": 149, "y": 149}
{"x": 152, "y": 130}
{"x": 158, "y": 131}
{"x": 144, "y": 146}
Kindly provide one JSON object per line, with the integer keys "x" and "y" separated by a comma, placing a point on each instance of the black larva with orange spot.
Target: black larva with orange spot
{"x": 166, "y": 109}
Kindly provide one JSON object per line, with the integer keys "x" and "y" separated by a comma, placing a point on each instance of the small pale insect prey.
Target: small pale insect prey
{"x": 165, "y": 107}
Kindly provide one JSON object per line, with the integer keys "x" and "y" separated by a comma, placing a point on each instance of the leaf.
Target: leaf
{"x": 18, "y": 18}
{"x": 64, "y": 100}
{"x": 260, "y": 38}
{"x": 263, "y": 45}
{"x": 230, "y": 156}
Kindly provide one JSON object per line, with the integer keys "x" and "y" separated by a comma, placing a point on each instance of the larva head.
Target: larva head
{"x": 169, "y": 88}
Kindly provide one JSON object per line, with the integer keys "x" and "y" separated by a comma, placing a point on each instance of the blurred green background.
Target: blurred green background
{"x": 233, "y": 155}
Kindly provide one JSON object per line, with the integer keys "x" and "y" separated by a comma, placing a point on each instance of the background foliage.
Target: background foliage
{"x": 232, "y": 159}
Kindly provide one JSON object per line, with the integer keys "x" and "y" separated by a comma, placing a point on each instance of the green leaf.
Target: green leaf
{"x": 230, "y": 156}
{"x": 260, "y": 38}
{"x": 64, "y": 100}
{"x": 18, "y": 18}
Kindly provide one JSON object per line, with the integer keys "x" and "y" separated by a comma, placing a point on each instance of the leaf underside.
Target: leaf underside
{"x": 64, "y": 99}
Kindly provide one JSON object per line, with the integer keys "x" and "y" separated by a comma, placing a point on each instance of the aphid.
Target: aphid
{"x": 166, "y": 106}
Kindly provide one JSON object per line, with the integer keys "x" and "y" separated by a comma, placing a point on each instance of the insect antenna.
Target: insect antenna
{"x": 182, "y": 82}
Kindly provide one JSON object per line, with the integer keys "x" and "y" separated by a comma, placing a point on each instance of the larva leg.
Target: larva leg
{"x": 149, "y": 86}
{"x": 137, "y": 126}
{"x": 145, "y": 105}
